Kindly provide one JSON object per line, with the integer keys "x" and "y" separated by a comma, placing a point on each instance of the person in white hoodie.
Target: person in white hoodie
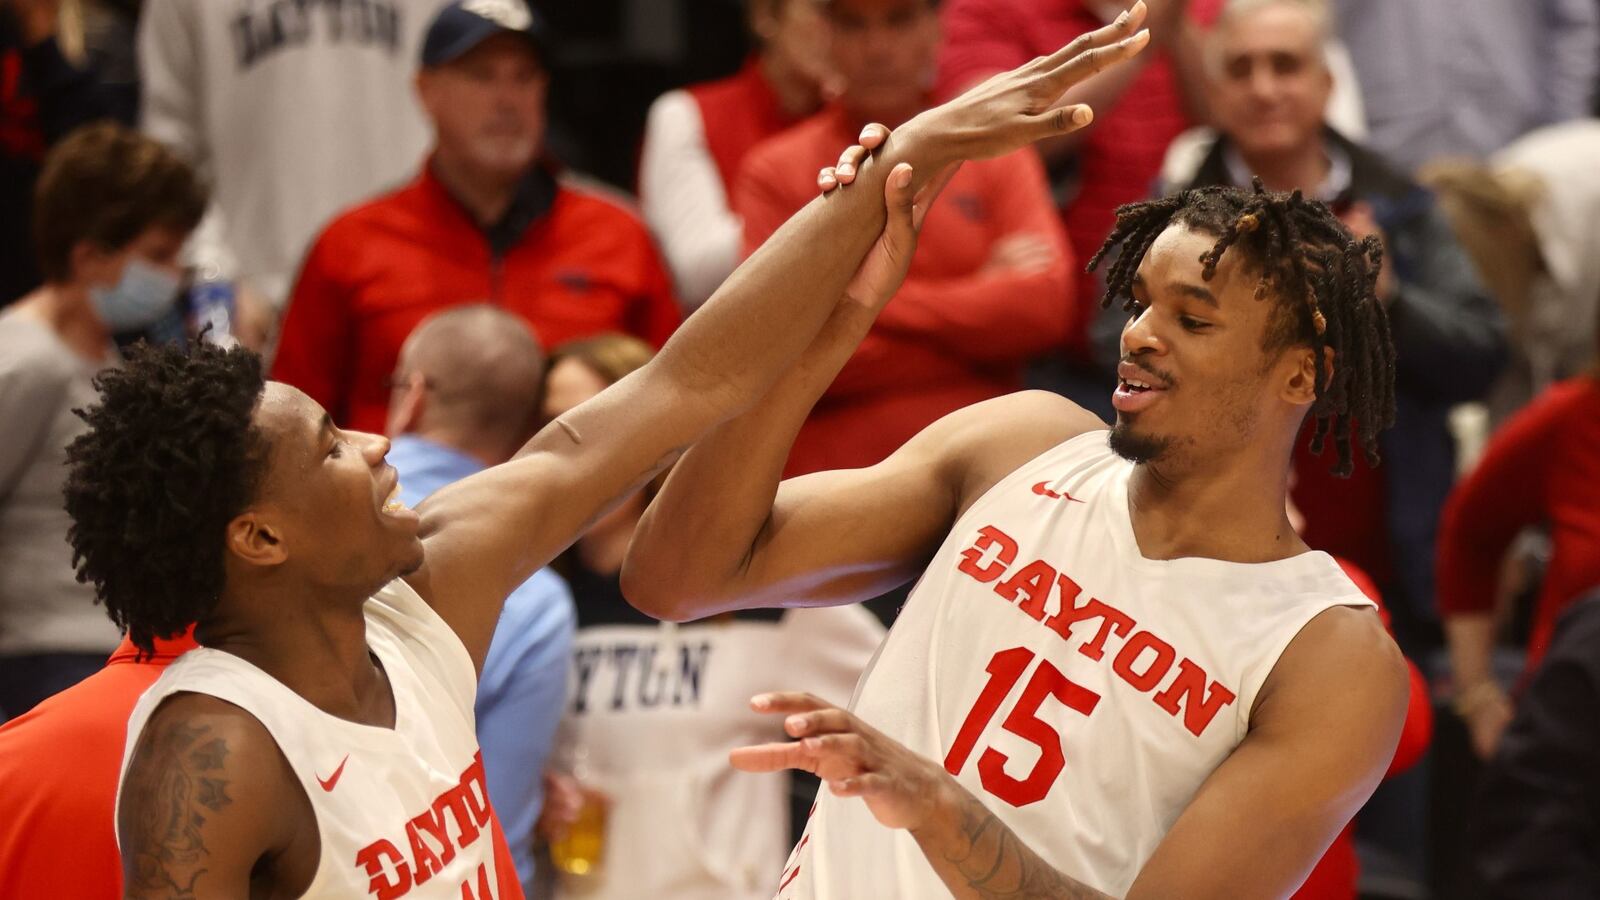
{"x": 294, "y": 111}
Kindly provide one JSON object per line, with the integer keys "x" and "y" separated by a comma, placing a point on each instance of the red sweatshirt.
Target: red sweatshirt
{"x": 954, "y": 335}
{"x": 582, "y": 265}
{"x": 1543, "y": 465}
{"x": 59, "y": 763}
{"x": 1121, "y": 154}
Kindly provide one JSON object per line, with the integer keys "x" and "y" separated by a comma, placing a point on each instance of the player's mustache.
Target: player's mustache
{"x": 1164, "y": 379}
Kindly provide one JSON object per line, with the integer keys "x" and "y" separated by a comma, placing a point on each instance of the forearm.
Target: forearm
{"x": 1470, "y": 637}
{"x": 979, "y": 857}
{"x": 699, "y": 532}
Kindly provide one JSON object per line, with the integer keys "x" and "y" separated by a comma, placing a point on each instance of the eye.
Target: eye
{"x": 1193, "y": 324}
{"x": 337, "y": 450}
{"x": 1133, "y": 306}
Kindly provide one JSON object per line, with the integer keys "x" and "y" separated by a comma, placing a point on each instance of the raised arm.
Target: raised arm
{"x": 1322, "y": 734}
{"x": 487, "y": 533}
{"x": 206, "y": 798}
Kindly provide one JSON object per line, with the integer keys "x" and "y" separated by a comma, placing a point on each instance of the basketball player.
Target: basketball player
{"x": 1121, "y": 673}
{"x": 320, "y": 743}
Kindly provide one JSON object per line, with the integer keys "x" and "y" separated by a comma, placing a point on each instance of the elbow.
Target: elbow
{"x": 658, "y": 592}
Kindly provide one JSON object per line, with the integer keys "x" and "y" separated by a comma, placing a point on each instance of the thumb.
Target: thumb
{"x": 900, "y": 198}
{"x": 1061, "y": 120}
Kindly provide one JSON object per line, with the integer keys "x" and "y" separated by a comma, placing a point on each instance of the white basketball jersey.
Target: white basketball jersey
{"x": 401, "y": 812}
{"x": 1079, "y": 690}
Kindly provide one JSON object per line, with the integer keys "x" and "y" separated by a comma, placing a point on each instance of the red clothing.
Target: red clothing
{"x": 1121, "y": 154}
{"x": 954, "y": 335}
{"x": 1543, "y": 465}
{"x": 737, "y": 113}
{"x": 585, "y": 266}
{"x": 1335, "y": 875}
{"x": 1346, "y": 517}
{"x": 59, "y": 765}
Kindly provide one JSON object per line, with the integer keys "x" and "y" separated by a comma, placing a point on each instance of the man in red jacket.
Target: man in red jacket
{"x": 990, "y": 286}
{"x": 485, "y": 220}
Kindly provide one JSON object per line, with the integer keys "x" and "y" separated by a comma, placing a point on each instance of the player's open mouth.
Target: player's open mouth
{"x": 1135, "y": 391}
{"x": 392, "y": 504}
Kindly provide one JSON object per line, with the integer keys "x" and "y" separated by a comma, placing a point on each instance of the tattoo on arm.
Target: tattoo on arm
{"x": 176, "y": 782}
{"x": 994, "y": 864}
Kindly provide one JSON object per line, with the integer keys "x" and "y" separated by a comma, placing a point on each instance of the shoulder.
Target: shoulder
{"x": 355, "y": 223}
{"x": 1343, "y": 657}
{"x": 27, "y": 361}
{"x": 672, "y": 113}
{"x": 980, "y": 445}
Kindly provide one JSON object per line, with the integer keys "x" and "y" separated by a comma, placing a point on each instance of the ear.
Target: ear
{"x": 255, "y": 541}
{"x": 423, "y": 84}
{"x": 407, "y": 405}
{"x": 1300, "y": 388}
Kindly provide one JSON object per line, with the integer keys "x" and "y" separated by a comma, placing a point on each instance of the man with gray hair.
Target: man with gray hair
{"x": 1270, "y": 87}
{"x": 465, "y": 397}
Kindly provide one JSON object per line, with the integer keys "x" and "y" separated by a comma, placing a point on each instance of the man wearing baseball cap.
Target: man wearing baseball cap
{"x": 488, "y": 218}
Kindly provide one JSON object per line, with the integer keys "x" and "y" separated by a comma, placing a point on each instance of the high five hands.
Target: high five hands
{"x": 998, "y": 116}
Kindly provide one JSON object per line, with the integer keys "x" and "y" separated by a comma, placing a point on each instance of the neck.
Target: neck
{"x": 1304, "y": 169}
{"x": 487, "y": 451}
{"x": 485, "y": 195}
{"x": 65, "y": 310}
{"x": 798, "y": 93}
{"x": 1234, "y": 514}
{"x": 318, "y": 650}
{"x": 604, "y": 548}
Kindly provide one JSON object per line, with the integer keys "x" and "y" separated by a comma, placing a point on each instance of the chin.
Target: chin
{"x": 1136, "y": 447}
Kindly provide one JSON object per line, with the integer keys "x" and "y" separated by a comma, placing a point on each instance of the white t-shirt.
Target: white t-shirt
{"x": 294, "y": 111}
{"x": 1079, "y": 690}
{"x": 400, "y": 812}
{"x": 653, "y": 711}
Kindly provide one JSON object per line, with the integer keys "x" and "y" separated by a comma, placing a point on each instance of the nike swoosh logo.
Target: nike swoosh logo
{"x": 1043, "y": 490}
{"x": 331, "y": 780}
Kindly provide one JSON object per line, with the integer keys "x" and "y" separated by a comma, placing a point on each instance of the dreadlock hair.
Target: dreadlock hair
{"x": 170, "y": 457}
{"x": 1323, "y": 283}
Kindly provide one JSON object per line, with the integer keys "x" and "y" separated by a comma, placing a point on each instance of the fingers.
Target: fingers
{"x": 770, "y": 758}
{"x": 867, "y": 784}
{"x": 1091, "y": 61}
{"x": 822, "y": 721}
{"x": 787, "y": 701}
{"x": 1123, "y": 27}
{"x": 844, "y": 171}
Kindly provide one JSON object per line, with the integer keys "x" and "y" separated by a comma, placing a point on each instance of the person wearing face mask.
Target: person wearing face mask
{"x": 111, "y": 212}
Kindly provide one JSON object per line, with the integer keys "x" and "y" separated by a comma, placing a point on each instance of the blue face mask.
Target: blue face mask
{"x": 138, "y": 300}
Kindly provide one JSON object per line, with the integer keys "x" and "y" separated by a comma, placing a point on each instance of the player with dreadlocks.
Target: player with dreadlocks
{"x": 1121, "y": 672}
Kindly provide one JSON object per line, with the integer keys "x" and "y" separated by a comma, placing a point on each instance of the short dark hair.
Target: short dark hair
{"x": 172, "y": 454}
{"x": 107, "y": 184}
{"x": 1322, "y": 280}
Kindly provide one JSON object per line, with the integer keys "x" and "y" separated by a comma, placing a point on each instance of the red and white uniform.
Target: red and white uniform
{"x": 401, "y": 812}
{"x": 1078, "y": 689}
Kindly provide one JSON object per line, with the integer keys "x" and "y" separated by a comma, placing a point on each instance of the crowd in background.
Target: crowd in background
{"x": 452, "y": 244}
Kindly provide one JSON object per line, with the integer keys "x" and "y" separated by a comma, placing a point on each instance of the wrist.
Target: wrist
{"x": 1476, "y": 696}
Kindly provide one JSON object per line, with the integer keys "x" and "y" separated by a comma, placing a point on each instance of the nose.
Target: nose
{"x": 1139, "y": 336}
{"x": 374, "y": 447}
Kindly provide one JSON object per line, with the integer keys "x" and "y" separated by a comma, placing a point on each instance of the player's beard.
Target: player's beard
{"x": 1137, "y": 448}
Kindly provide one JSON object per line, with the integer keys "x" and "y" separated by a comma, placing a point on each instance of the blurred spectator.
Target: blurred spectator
{"x": 466, "y": 397}
{"x": 696, "y": 138}
{"x": 1527, "y": 216}
{"x": 59, "y": 764}
{"x": 1269, "y": 96}
{"x": 655, "y": 706}
{"x": 292, "y": 110}
{"x": 43, "y": 96}
{"x": 485, "y": 219}
{"x": 1541, "y": 468}
{"x": 990, "y": 286}
{"x": 1139, "y": 108}
{"x": 1446, "y": 78}
{"x": 112, "y": 211}
{"x": 1539, "y": 810}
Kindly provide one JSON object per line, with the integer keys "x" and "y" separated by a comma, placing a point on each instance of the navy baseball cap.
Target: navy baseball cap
{"x": 464, "y": 24}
